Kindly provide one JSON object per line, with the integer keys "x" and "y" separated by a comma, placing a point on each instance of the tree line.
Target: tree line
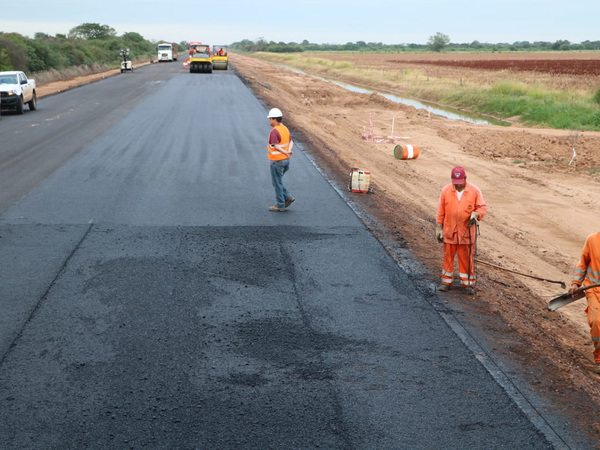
{"x": 93, "y": 44}
{"x": 436, "y": 43}
{"x": 86, "y": 44}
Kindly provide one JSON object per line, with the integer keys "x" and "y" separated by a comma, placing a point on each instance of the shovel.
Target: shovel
{"x": 566, "y": 298}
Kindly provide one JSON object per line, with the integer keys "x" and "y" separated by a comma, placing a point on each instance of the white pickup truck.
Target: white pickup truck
{"x": 16, "y": 90}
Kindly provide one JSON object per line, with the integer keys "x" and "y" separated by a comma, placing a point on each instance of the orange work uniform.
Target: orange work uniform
{"x": 284, "y": 141}
{"x": 453, "y": 214}
{"x": 587, "y": 272}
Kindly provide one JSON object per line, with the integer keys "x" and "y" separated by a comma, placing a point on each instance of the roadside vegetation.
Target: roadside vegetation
{"x": 87, "y": 48}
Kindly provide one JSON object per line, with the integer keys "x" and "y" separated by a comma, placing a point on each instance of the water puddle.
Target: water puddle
{"x": 448, "y": 112}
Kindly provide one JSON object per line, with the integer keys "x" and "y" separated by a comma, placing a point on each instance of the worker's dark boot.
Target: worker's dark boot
{"x": 469, "y": 290}
{"x": 443, "y": 288}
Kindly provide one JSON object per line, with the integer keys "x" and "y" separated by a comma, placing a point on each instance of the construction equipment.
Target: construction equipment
{"x": 359, "y": 181}
{"x": 568, "y": 298}
{"x": 219, "y": 58}
{"x": 126, "y": 64}
{"x": 200, "y": 59}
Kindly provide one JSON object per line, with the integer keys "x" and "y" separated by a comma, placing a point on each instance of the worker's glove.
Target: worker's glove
{"x": 573, "y": 288}
{"x": 473, "y": 219}
{"x": 439, "y": 234}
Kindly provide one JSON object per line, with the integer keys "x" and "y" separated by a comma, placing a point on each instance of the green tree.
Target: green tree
{"x": 4, "y": 60}
{"x": 438, "y": 41}
{"x": 259, "y": 46}
{"x": 15, "y": 48}
{"x": 561, "y": 45}
{"x": 90, "y": 31}
{"x": 133, "y": 37}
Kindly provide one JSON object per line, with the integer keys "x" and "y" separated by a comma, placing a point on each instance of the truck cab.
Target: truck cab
{"x": 167, "y": 52}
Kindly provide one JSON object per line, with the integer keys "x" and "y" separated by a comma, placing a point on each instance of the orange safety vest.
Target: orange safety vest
{"x": 588, "y": 268}
{"x": 274, "y": 154}
{"x": 454, "y": 214}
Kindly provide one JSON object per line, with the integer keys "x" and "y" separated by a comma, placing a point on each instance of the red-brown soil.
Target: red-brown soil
{"x": 552, "y": 66}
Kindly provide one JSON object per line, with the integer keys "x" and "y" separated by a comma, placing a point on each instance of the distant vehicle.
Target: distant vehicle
{"x": 219, "y": 59}
{"x": 167, "y": 52}
{"x": 200, "y": 57}
{"x": 16, "y": 90}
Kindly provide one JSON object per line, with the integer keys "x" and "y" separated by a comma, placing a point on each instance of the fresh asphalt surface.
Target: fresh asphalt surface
{"x": 150, "y": 300}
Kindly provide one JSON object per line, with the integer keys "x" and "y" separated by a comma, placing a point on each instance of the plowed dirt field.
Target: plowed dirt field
{"x": 540, "y": 209}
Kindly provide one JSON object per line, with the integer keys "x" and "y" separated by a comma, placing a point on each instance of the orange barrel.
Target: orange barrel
{"x": 406, "y": 152}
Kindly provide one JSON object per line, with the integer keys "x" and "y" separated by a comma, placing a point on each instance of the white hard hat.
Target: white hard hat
{"x": 275, "y": 112}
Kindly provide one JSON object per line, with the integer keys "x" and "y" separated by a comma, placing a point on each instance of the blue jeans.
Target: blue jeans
{"x": 278, "y": 169}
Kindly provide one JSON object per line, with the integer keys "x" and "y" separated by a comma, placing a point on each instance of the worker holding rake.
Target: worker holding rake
{"x": 587, "y": 273}
{"x": 460, "y": 207}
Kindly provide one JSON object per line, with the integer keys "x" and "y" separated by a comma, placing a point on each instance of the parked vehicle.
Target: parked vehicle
{"x": 16, "y": 90}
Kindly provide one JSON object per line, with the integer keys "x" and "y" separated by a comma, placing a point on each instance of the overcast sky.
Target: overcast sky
{"x": 318, "y": 21}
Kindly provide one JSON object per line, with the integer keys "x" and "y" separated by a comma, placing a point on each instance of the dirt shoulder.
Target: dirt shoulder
{"x": 540, "y": 210}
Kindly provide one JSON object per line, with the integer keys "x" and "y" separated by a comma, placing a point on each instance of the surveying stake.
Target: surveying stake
{"x": 371, "y": 137}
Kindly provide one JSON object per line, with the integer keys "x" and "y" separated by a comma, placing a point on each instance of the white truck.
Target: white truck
{"x": 16, "y": 90}
{"x": 167, "y": 52}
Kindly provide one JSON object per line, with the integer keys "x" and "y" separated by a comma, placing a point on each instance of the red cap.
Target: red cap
{"x": 458, "y": 175}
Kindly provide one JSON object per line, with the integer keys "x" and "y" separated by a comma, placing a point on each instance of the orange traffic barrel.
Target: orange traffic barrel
{"x": 406, "y": 152}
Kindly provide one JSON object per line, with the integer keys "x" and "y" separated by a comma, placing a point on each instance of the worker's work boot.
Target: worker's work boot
{"x": 469, "y": 290}
{"x": 443, "y": 288}
{"x": 289, "y": 201}
{"x": 276, "y": 208}
{"x": 597, "y": 368}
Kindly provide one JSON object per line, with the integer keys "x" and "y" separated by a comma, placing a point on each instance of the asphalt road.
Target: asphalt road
{"x": 150, "y": 300}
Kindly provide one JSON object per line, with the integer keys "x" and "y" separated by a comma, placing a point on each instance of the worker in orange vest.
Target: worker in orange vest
{"x": 586, "y": 273}
{"x": 460, "y": 207}
{"x": 279, "y": 152}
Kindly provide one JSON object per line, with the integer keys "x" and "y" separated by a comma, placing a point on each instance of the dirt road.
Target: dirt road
{"x": 540, "y": 209}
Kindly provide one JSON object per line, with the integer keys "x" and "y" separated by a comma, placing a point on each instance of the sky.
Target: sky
{"x": 317, "y": 21}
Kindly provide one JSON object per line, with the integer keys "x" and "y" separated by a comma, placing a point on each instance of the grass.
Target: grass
{"x": 70, "y": 73}
{"x": 536, "y": 99}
